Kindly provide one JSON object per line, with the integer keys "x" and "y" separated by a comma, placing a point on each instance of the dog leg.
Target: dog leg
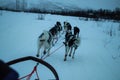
{"x": 44, "y": 52}
{"x": 66, "y": 52}
{"x": 56, "y": 39}
{"x": 48, "y": 52}
{"x": 73, "y": 54}
{"x": 65, "y": 58}
{"x": 37, "y": 55}
{"x": 38, "y": 51}
{"x": 52, "y": 42}
{"x": 70, "y": 51}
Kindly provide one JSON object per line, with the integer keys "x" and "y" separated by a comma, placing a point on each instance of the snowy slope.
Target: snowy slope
{"x": 96, "y": 4}
{"x": 97, "y": 58}
{"x": 64, "y": 4}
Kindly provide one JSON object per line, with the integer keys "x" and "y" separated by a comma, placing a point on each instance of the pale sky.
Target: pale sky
{"x": 91, "y": 4}
{"x": 95, "y": 4}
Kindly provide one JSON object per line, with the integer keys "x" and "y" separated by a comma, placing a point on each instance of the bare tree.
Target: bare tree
{"x": 119, "y": 27}
{"x": 1, "y": 12}
{"x": 17, "y": 4}
{"x": 41, "y": 16}
{"x": 24, "y": 5}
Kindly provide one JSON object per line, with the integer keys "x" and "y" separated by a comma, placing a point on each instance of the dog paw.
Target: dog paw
{"x": 72, "y": 57}
{"x": 69, "y": 55}
{"x": 65, "y": 59}
{"x": 44, "y": 52}
{"x": 37, "y": 55}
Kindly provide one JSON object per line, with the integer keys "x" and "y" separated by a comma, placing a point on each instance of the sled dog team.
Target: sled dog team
{"x": 49, "y": 38}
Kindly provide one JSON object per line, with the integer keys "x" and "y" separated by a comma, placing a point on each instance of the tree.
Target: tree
{"x": 17, "y": 4}
{"x": 1, "y": 12}
{"x": 41, "y": 16}
{"x": 24, "y": 5}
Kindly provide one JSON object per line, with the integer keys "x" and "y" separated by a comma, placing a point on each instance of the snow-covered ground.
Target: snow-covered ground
{"x": 97, "y": 58}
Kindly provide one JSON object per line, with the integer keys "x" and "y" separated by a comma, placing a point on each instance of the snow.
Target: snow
{"x": 97, "y": 58}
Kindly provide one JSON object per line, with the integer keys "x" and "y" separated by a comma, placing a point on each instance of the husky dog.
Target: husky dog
{"x": 67, "y": 27}
{"x": 55, "y": 31}
{"x": 76, "y": 31}
{"x": 45, "y": 42}
{"x": 71, "y": 44}
{"x": 58, "y": 27}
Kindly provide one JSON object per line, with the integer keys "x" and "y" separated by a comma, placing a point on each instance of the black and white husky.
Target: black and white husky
{"x": 71, "y": 44}
{"x": 67, "y": 27}
{"x": 45, "y": 42}
{"x": 59, "y": 27}
{"x": 55, "y": 31}
{"x": 76, "y": 31}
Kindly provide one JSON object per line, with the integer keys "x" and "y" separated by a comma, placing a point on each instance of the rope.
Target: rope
{"x": 52, "y": 52}
{"x": 29, "y": 75}
{"x": 42, "y": 57}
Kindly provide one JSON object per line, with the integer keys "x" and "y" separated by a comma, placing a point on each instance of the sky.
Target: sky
{"x": 94, "y": 4}
{"x": 70, "y": 4}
